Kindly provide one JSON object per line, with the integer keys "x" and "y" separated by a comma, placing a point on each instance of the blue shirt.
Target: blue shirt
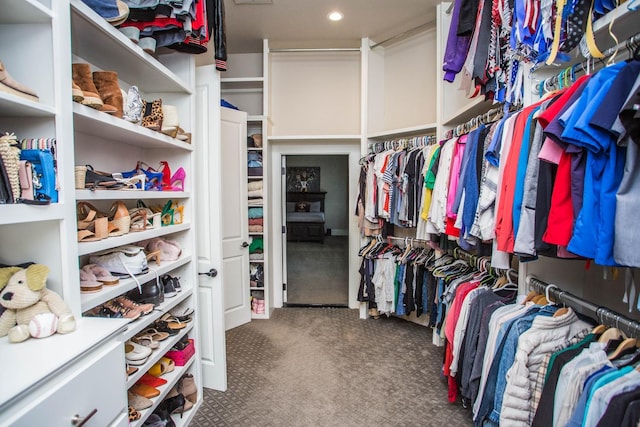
{"x": 579, "y": 411}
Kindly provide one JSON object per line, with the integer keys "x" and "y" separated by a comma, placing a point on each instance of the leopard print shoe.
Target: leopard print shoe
{"x": 152, "y": 114}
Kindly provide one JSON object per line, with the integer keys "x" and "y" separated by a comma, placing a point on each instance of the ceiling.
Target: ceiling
{"x": 304, "y": 23}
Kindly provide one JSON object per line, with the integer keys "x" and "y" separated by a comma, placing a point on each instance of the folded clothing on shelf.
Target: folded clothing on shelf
{"x": 256, "y": 213}
{"x": 254, "y": 185}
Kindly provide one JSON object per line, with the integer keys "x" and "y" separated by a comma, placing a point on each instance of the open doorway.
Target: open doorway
{"x": 317, "y": 225}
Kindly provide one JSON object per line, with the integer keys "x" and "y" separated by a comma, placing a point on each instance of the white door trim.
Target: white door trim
{"x": 279, "y": 149}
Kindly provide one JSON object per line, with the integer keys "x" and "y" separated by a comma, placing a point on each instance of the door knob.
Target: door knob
{"x": 211, "y": 273}
{"x": 245, "y": 244}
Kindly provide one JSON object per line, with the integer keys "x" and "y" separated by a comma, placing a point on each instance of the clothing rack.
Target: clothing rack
{"x": 489, "y": 117}
{"x": 401, "y": 143}
{"x": 560, "y": 80}
{"x": 481, "y": 263}
{"x": 605, "y": 316}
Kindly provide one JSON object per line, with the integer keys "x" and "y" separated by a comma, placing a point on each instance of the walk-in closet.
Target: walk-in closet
{"x": 276, "y": 212}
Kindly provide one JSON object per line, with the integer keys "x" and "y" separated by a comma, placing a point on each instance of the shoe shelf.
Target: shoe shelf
{"x": 24, "y": 12}
{"x": 257, "y": 288}
{"x": 130, "y": 195}
{"x": 256, "y": 233}
{"x": 85, "y": 248}
{"x": 172, "y": 378}
{"x": 90, "y": 300}
{"x": 99, "y": 43}
{"x": 145, "y": 322}
{"x": 157, "y": 354}
{"x": 45, "y": 356}
{"x": 15, "y": 106}
{"x": 92, "y": 122}
{"x": 20, "y": 213}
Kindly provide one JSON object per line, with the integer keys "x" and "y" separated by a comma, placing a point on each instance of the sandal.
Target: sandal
{"x": 97, "y": 230}
{"x": 154, "y": 255}
{"x": 146, "y": 341}
{"x": 120, "y": 218}
{"x": 94, "y": 180}
{"x": 102, "y": 274}
{"x": 138, "y": 219}
{"x": 184, "y": 136}
{"x": 136, "y": 182}
{"x": 167, "y": 213}
{"x": 88, "y": 282}
{"x": 162, "y": 366}
{"x": 155, "y": 334}
{"x": 172, "y": 321}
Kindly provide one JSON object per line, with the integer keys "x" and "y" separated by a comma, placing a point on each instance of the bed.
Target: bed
{"x": 305, "y": 216}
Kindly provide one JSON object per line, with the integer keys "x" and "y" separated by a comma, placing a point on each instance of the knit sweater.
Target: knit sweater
{"x": 541, "y": 339}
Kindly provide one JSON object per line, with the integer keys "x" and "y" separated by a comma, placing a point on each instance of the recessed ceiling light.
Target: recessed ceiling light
{"x": 335, "y": 15}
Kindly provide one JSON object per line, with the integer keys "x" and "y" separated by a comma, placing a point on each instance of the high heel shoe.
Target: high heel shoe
{"x": 166, "y": 174}
{"x": 177, "y": 180}
{"x": 119, "y": 216}
{"x": 175, "y": 404}
{"x": 154, "y": 178}
{"x": 167, "y": 213}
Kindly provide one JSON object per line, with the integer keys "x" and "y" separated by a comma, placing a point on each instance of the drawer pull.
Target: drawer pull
{"x": 78, "y": 421}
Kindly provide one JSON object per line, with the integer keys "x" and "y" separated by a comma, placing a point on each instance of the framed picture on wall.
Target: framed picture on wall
{"x": 303, "y": 179}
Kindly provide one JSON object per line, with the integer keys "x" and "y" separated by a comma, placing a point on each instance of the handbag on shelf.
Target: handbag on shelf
{"x": 26, "y": 180}
{"x": 44, "y": 175}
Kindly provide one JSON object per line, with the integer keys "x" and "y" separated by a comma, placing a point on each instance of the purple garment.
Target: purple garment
{"x": 457, "y": 47}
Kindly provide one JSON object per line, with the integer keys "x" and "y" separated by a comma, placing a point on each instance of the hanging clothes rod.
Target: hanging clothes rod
{"x": 485, "y": 118}
{"x": 328, "y": 49}
{"x": 606, "y": 317}
{"x": 405, "y": 34}
{"x": 401, "y": 143}
{"x": 625, "y": 45}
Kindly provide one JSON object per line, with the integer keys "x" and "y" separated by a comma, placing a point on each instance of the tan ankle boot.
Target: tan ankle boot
{"x": 107, "y": 84}
{"x": 83, "y": 78}
{"x": 76, "y": 93}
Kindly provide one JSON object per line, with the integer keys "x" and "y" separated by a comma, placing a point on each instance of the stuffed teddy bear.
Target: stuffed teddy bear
{"x": 30, "y": 308}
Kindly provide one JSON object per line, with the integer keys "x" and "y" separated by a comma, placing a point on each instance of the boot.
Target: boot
{"x": 83, "y": 78}
{"x": 10, "y": 85}
{"x": 76, "y": 93}
{"x": 107, "y": 84}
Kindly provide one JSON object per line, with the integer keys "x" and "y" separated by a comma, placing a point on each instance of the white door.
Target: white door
{"x": 208, "y": 200}
{"x": 283, "y": 213}
{"x": 235, "y": 217}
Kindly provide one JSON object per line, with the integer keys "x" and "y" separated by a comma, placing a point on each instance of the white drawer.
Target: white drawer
{"x": 97, "y": 381}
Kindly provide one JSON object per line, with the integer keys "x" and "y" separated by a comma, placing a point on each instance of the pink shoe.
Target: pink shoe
{"x": 177, "y": 180}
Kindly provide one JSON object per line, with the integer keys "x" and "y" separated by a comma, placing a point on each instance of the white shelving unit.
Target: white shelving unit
{"x": 39, "y": 40}
{"x": 244, "y": 86}
{"x": 104, "y": 142}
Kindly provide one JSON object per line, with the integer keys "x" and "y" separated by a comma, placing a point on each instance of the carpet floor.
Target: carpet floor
{"x": 318, "y": 273}
{"x": 327, "y": 367}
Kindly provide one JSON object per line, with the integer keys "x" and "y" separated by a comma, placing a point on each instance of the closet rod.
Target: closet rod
{"x": 603, "y": 315}
{"x": 427, "y": 25}
{"x": 319, "y": 49}
{"x": 626, "y": 44}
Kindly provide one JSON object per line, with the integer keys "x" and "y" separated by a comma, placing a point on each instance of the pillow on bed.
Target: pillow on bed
{"x": 291, "y": 207}
{"x": 302, "y": 207}
{"x": 315, "y": 207}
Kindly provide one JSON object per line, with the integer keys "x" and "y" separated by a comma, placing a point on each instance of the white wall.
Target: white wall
{"x": 410, "y": 82}
{"x": 334, "y": 178}
{"x": 315, "y": 93}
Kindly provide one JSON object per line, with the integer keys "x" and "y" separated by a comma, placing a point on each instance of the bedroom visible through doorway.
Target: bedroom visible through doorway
{"x": 317, "y": 215}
